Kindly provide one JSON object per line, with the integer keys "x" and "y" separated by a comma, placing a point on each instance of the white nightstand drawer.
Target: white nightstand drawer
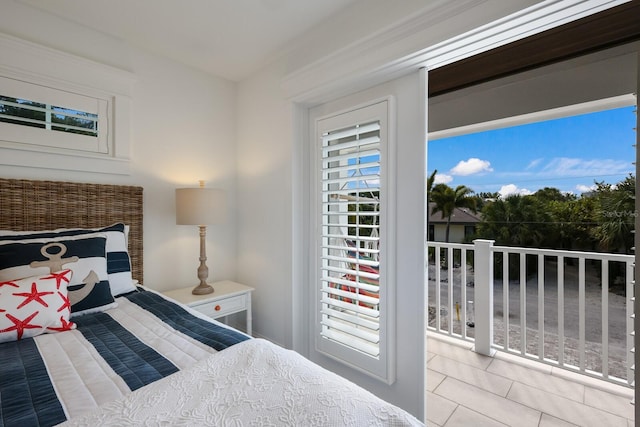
{"x": 227, "y": 298}
{"x": 223, "y": 307}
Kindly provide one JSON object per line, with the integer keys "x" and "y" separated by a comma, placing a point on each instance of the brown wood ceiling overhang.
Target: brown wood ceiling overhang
{"x": 612, "y": 27}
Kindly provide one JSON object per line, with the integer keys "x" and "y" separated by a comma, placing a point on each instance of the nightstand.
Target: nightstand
{"x": 227, "y": 298}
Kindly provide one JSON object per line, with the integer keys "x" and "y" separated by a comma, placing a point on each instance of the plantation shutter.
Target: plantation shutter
{"x": 38, "y": 115}
{"x": 352, "y": 318}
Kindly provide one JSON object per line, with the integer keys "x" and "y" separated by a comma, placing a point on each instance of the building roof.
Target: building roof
{"x": 460, "y": 216}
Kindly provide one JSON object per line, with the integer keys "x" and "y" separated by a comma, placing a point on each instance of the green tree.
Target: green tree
{"x": 447, "y": 199}
{"x": 573, "y": 223}
{"x": 516, "y": 221}
{"x": 550, "y": 194}
{"x": 485, "y": 197}
{"x": 602, "y": 219}
{"x": 16, "y": 111}
{"x": 430, "y": 182}
{"x": 616, "y": 215}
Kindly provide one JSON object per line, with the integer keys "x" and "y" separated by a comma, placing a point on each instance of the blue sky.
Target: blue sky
{"x": 568, "y": 154}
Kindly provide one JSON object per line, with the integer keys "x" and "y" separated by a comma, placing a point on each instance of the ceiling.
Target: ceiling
{"x": 228, "y": 38}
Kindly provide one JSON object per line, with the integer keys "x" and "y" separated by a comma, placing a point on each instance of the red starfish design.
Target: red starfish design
{"x": 59, "y": 276}
{"x": 65, "y": 302}
{"x": 34, "y": 295}
{"x": 21, "y": 325}
{"x": 66, "y": 325}
{"x": 9, "y": 283}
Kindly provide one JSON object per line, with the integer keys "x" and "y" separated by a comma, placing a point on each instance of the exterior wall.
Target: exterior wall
{"x": 170, "y": 147}
{"x": 456, "y": 233}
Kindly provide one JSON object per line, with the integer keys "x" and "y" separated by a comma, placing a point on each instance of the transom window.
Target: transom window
{"x": 25, "y": 112}
{"x": 40, "y": 116}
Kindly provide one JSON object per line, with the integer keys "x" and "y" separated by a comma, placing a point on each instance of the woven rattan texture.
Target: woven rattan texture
{"x": 45, "y": 205}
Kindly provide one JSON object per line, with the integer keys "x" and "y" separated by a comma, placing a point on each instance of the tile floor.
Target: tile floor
{"x": 467, "y": 389}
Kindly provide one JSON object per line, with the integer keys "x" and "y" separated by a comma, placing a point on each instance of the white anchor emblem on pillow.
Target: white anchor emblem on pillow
{"x": 55, "y": 263}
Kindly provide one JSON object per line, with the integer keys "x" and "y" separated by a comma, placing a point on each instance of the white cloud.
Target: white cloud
{"x": 567, "y": 166}
{"x": 442, "y": 178}
{"x": 534, "y": 163}
{"x": 471, "y": 167}
{"x": 512, "y": 189}
{"x": 585, "y": 188}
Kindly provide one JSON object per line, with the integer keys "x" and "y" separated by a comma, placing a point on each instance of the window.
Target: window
{"x": 43, "y": 116}
{"x": 60, "y": 111}
{"x": 469, "y": 231}
{"x": 353, "y": 276}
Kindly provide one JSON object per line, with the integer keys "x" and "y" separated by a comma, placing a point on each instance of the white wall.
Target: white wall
{"x": 241, "y": 139}
{"x": 270, "y": 147}
{"x": 267, "y": 146}
{"x": 182, "y": 130}
{"x": 265, "y": 207}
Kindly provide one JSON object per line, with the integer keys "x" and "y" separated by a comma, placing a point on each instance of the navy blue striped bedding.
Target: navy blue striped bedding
{"x": 27, "y": 396}
{"x": 176, "y": 316}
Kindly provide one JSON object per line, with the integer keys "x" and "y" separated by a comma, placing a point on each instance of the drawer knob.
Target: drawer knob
{"x": 217, "y": 308}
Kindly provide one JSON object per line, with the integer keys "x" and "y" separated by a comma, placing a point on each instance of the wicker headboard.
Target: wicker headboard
{"x": 45, "y": 205}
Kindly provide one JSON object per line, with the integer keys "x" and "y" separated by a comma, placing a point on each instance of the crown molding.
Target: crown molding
{"x": 21, "y": 58}
{"x": 399, "y": 49}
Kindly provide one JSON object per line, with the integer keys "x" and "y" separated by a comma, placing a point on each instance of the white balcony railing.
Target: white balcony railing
{"x": 565, "y": 308}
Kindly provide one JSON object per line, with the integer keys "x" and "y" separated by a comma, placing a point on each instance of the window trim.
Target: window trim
{"x": 39, "y": 65}
{"x": 348, "y": 71}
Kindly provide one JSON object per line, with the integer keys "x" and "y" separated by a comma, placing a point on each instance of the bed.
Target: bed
{"x": 83, "y": 343}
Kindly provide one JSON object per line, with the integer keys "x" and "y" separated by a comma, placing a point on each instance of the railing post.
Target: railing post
{"x": 483, "y": 295}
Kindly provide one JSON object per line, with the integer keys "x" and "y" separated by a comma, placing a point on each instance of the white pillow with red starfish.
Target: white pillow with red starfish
{"x": 35, "y": 305}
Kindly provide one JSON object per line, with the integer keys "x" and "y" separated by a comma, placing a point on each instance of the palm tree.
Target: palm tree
{"x": 617, "y": 215}
{"x": 447, "y": 199}
{"x": 516, "y": 221}
{"x": 430, "y": 181}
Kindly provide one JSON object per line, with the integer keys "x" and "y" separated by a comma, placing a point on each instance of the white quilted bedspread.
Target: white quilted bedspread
{"x": 254, "y": 383}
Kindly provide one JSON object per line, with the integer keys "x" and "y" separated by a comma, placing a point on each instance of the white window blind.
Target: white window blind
{"x": 352, "y": 318}
{"x": 38, "y": 115}
{"x": 46, "y": 116}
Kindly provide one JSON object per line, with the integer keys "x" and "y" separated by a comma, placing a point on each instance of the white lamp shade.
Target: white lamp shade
{"x": 200, "y": 206}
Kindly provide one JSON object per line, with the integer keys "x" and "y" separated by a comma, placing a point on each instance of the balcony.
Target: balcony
{"x": 465, "y": 388}
{"x": 558, "y": 313}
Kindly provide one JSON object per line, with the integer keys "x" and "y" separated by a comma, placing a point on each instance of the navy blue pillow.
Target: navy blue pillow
{"x": 89, "y": 289}
{"x": 118, "y": 261}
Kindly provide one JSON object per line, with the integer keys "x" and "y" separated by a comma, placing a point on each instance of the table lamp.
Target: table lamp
{"x": 201, "y": 206}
